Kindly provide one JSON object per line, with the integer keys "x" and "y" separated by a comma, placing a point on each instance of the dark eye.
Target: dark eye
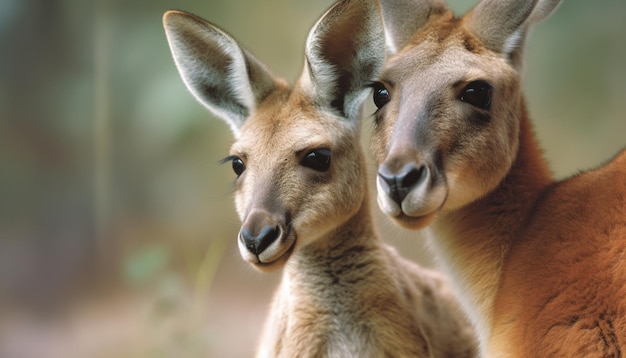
{"x": 381, "y": 95}
{"x": 478, "y": 94}
{"x": 236, "y": 162}
{"x": 238, "y": 166}
{"x": 317, "y": 159}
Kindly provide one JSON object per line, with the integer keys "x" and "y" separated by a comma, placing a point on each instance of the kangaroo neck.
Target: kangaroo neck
{"x": 332, "y": 263}
{"x": 356, "y": 233}
{"x": 472, "y": 242}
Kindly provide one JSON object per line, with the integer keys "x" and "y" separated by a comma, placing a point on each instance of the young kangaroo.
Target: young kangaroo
{"x": 540, "y": 264}
{"x": 301, "y": 193}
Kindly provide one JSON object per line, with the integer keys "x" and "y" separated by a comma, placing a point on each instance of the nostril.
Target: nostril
{"x": 256, "y": 244}
{"x": 413, "y": 177}
{"x": 399, "y": 185}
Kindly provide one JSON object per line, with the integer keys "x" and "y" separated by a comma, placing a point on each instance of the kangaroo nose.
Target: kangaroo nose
{"x": 259, "y": 242}
{"x": 398, "y": 185}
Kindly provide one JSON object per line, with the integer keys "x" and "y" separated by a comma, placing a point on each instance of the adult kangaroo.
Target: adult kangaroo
{"x": 541, "y": 264}
{"x": 301, "y": 193}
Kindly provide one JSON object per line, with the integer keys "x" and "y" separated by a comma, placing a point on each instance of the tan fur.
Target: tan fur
{"x": 344, "y": 293}
{"x": 541, "y": 264}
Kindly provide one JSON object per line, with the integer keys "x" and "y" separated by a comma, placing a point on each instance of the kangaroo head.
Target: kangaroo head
{"x": 449, "y": 103}
{"x": 296, "y": 154}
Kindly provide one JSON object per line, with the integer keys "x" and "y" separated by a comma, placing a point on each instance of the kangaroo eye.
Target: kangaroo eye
{"x": 381, "y": 95}
{"x": 317, "y": 159}
{"x": 478, "y": 94}
{"x": 238, "y": 166}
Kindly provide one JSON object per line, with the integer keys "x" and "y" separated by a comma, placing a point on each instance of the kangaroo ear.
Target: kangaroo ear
{"x": 220, "y": 74}
{"x": 403, "y": 18}
{"x": 344, "y": 51}
{"x": 501, "y": 25}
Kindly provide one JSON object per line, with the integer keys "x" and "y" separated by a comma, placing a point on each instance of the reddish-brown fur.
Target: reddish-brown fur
{"x": 541, "y": 263}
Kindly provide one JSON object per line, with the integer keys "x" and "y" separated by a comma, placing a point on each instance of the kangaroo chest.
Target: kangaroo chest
{"x": 565, "y": 292}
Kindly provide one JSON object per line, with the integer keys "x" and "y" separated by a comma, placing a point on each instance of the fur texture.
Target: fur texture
{"x": 301, "y": 194}
{"x": 539, "y": 263}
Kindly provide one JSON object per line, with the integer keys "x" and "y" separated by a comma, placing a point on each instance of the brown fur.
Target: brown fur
{"x": 541, "y": 264}
{"x": 344, "y": 293}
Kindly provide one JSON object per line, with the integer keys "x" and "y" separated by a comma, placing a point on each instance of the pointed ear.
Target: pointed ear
{"x": 403, "y": 18}
{"x": 344, "y": 51}
{"x": 501, "y": 25}
{"x": 220, "y": 74}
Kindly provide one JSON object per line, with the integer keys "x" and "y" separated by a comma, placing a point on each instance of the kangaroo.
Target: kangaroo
{"x": 301, "y": 193}
{"x": 540, "y": 264}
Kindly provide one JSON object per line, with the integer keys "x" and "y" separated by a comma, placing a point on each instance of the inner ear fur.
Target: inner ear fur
{"x": 220, "y": 74}
{"x": 345, "y": 50}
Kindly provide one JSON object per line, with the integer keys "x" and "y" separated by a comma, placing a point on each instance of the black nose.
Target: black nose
{"x": 398, "y": 185}
{"x": 256, "y": 243}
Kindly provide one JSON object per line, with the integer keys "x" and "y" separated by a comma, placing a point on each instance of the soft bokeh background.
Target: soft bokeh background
{"x": 117, "y": 228}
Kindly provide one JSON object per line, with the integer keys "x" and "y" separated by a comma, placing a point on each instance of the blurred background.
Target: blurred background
{"x": 117, "y": 227}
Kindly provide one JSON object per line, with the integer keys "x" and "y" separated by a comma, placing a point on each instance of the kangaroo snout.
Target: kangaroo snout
{"x": 410, "y": 191}
{"x": 398, "y": 185}
{"x": 264, "y": 238}
{"x": 257, "y": 242}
